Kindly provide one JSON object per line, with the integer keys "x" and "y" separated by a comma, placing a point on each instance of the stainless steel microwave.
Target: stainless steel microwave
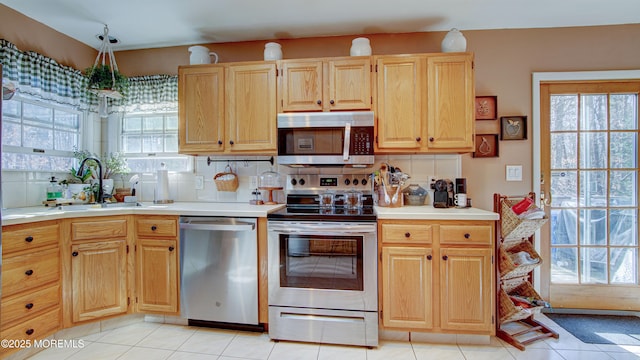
{"x": 326, "y": 139}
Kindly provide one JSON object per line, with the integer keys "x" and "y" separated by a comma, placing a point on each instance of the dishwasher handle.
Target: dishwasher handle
{"x": 214, "y": 225}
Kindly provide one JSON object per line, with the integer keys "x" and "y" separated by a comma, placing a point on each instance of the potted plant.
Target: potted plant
{"x": 103, "y": 79}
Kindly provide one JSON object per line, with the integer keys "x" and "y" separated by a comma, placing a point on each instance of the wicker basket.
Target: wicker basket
{"x": 508, "y": 269}
{"x": 511, "y": 312}
{"x": 514, "y": 227}
{"x": 226, "y": 181}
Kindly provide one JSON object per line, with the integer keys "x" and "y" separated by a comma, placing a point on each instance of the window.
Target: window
{"x": 38, "y": 136}
{"x": 149, "y": 139}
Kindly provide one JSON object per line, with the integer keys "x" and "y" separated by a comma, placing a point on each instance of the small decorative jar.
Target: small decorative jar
{"x": 360, "y": 47}
{"x": 272, "y": 51}
{"x": 454, "y": 41}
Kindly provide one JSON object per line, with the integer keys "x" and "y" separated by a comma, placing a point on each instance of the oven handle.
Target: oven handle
{"x": 324, "y": 229}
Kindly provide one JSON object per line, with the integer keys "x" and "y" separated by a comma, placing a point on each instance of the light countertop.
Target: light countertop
{"x": 40, "y": 213}
{"x": 428, "y": 212}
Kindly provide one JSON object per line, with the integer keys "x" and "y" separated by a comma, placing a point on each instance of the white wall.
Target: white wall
{"x": 22, "y": 189}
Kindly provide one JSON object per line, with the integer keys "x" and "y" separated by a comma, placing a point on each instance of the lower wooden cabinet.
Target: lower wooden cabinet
{"x": 33, "y": 328}
{"x": 157, "y": 277}
{"x": 115, "y": 265}
{"x": 466, "y": 298}
{"x": 157, "y": 288}
{"x": 31, "y": 267}
{"x": 99, "y": 279}
{"x": 407, "y": 278}
{"x": 437, "y": 276}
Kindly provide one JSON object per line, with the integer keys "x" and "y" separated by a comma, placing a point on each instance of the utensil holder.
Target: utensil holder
{"x": 391, "y": 191}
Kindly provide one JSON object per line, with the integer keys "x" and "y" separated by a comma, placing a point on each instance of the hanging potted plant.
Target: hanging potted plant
{"x": 104, "y": 78}
{"x": 106, "y": 81}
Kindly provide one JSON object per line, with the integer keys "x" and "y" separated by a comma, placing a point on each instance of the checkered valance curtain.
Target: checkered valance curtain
{"x": 42, "y": 77}
{"x": 151, "y": 93}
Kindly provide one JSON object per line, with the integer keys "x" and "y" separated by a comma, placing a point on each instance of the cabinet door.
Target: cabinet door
{"x": 400, "y": 92}
{"x": 301, "y": 85}
{"x": 157, "y": 289}
{"x": 99, "y": 279}
{"x": 407, "y": 287}
{"x": 450, "y": 99}
{"x": 201, "y": 109}
{"x": 251, "y": 108}
{"x": 466, "y": 295}
{"x": 349, "y": 84}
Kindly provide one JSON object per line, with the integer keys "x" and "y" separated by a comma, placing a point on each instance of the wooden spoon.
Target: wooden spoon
{"x": 383, "y": 177}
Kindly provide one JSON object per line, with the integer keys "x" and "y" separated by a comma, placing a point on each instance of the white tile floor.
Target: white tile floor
{"x": 149, "y": 341}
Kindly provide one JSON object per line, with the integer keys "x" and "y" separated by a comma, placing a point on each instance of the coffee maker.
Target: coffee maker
{"x": 443, "y": 195}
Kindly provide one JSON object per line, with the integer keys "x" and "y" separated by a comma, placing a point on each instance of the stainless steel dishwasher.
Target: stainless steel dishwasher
{"x": 219, "y": 270}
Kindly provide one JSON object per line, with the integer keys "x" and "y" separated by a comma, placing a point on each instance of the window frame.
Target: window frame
{"x": 13, "y": 149}
{"x": 119, "y": 135}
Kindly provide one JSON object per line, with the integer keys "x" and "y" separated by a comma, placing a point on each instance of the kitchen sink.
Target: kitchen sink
{"x": 83, "y": 207}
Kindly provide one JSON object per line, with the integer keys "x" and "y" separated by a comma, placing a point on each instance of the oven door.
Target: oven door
{"x": 326, "y": 265}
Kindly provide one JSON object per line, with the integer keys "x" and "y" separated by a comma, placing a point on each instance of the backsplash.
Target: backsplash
{"x": 22, "y": 189}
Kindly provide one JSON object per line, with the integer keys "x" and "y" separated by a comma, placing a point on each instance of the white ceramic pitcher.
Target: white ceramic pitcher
{"x": 201, "y": 55}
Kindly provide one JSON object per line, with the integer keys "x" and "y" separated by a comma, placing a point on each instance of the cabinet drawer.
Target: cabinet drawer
{"x": 29, "y": 271}
{"x": 25, "y": 306}
{"x": 36, "y": 328}
{"x": 99, "y": 229}
{"x": 24, "y": 237}
{"x": 157, "y": 227}
{"x": 466, "y": 234}
{"x": 406, "y": 233}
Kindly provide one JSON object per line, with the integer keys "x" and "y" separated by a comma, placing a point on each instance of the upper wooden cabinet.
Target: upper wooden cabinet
{"x": 425, "y": 103}
{"x": 227, "y": 108}
{"x": 401, "y": 110}
{"x": 251, "y": 108}
{"x": 450, "y": 103}
{"x": 326, "y": 84}
{"x": 201, "y": 109}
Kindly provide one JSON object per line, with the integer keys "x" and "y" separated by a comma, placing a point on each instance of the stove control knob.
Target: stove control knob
{"x": 355, "y": 182}
{"x": 363, "y": 182}
{"x": 301, "y": 182}
{"x": 347, "y": 181}
{"x": 294, "y": 182}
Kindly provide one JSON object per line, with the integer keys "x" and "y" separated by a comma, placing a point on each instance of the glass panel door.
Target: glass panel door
{"x": 592, "y": 164}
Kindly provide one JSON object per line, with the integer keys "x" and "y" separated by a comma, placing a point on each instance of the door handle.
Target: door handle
{"x": 347, "y": 142}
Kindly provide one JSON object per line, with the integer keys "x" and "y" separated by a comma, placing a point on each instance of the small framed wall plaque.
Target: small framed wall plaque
{"x": 486, "y": 107}
{"x": 513, "y": 128}
{"x": 486, "y": 145}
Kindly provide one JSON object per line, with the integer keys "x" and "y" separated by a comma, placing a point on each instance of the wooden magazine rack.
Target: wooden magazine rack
{"x": 514, "y": 235}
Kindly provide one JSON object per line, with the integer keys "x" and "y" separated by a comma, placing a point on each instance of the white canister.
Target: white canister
{"x": 360, "y": 47}
{"x": 272, "y": 51}
{"x": 201, "y": 55}
{"x": 454, "y": 41}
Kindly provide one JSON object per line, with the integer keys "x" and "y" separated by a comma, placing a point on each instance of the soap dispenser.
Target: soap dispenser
{"x": 54, "y": 190}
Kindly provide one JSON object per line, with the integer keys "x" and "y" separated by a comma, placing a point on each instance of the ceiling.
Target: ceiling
{"x": 159, "y": 23}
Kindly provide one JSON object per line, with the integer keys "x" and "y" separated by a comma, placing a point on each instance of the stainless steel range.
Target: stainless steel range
{"x": 323, "y": 262}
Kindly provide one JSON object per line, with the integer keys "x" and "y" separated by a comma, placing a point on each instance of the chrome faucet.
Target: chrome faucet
{"x": 100, "y": 199}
